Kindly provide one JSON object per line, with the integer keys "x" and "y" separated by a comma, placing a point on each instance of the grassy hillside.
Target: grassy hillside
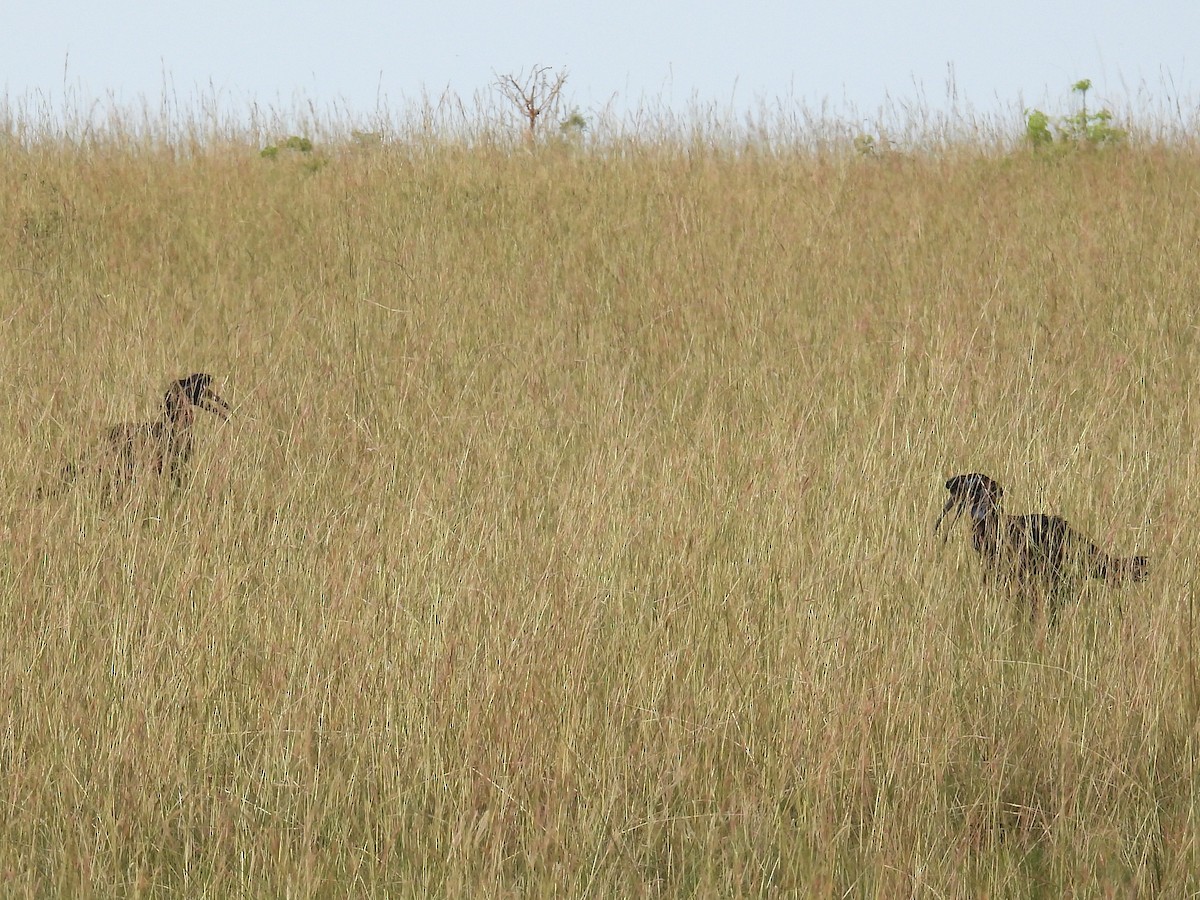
{"x": 572, "y": 535}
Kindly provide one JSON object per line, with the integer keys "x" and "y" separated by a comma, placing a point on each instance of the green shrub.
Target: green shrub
{"x": 1082, "y": 129}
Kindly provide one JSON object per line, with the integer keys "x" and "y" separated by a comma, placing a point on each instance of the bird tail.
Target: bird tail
{"x": 1118, "y": 569}
{"x": 66, "y": 478}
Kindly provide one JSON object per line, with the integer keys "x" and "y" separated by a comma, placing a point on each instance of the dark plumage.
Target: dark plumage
{"x": 1038, "y": 555}
{"x": 160, "y": 446}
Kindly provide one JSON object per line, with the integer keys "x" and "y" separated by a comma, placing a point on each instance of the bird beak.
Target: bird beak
{"x": 214, "y": 404}
{"x": 945, "y": 509}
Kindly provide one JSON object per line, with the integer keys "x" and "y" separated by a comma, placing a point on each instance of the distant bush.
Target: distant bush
{"x": 365, "y": 140}
{"x": 296, "y": 145}
{"x": 574, "y": 125}
{"x": 1083, "y": 129}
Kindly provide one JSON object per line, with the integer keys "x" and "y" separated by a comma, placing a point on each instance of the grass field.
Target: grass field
{"x": 572, "y": 534}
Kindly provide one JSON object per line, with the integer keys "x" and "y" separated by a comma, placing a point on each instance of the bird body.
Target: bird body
{"x": 162, "y": 446}
{"x": 1038, "y": 555}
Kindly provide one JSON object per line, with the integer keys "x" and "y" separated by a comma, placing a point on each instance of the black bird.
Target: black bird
{"x": 161, "y": 446}
{"x": 1038, "y": 555}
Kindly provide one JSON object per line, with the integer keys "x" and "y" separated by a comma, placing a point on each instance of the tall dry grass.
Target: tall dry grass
{"x": 572, "y": 535}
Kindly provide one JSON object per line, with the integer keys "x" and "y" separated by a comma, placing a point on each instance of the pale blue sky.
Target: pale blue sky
{"x": 848, "y": 57}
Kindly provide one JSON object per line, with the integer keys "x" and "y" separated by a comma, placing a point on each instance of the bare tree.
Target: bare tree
{"x": 534, "y": 95}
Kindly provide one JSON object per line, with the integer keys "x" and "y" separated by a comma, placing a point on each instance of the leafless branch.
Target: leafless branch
{"x": 534, "y": 95}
